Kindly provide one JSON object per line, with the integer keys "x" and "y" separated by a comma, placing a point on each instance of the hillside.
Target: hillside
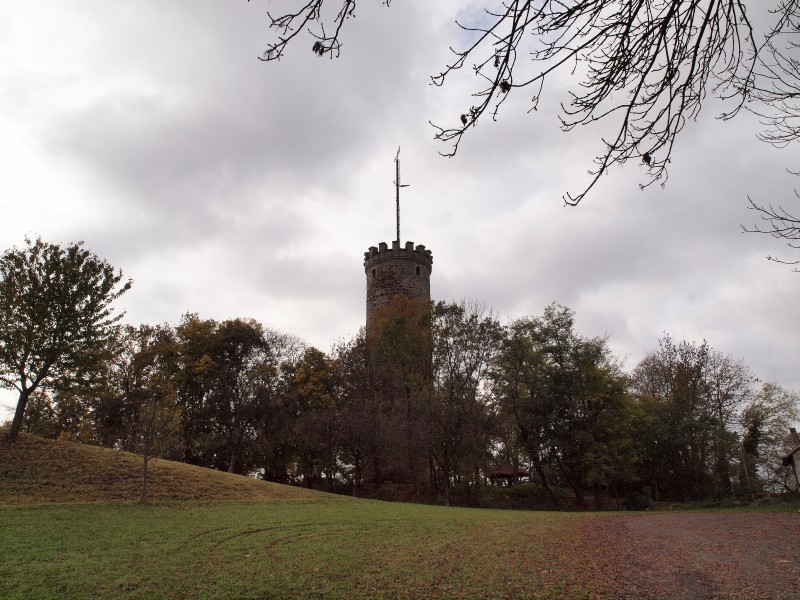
{"x": 70, "y": 528}
{"x": 35, "y": 470}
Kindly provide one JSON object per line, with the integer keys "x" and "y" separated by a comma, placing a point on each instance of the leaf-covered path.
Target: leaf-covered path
{"x": 693, "y": 555}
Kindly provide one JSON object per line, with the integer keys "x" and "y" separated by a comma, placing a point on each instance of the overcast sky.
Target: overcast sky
{"x": 234, "y": 188}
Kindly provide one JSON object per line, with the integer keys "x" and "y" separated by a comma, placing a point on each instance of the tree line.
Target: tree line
{"x": 689, "y": 423}
{"x": 430, "y": 401}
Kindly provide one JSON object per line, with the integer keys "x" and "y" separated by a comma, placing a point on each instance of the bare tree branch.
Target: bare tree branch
{"x": 646, "y": 66}
{"x": 310, "y": 18}
{"x": 780, "y": 224}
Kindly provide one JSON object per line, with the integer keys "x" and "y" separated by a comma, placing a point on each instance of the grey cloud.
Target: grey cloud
{"x": 237, "y": 188}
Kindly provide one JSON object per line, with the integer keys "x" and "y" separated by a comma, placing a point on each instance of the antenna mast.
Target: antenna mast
{"x": 397, "y": 190}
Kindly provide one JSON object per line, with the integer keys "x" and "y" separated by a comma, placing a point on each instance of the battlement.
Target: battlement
{"x": 403, "y": 271}
{"x": 409, "y": 252}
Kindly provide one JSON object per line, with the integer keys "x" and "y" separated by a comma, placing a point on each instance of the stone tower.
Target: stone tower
{"x": 392, "y": 271}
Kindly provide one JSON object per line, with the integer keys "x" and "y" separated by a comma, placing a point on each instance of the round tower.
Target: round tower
{"x": 396, "y": 270}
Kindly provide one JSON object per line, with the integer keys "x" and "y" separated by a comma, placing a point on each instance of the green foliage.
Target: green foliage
{"x": 523, "y": 496}
{"x": 358, "y": 411}
{"x": 311, "y": 395}
{"x": 702, "y": 423}
{"x": 766, "y": 420}
{"x": 431, "y": 399}
{"x": 567, "y": 397}
{"x": 638, "y": 500}
{"x": 229, "y": 388}
{"x": 466, "y": 339}
{"x": 56, "y": 319}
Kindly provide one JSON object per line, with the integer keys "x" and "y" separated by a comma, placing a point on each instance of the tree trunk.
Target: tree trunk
{"x": 543, "y": 478}
{"x": 446, "y": 477}
{"x": 232, "y": 463}
{"x": 357, "y": 480}
{"x": 16, "y": 424}
{"x": 146, "y": 458}
{"x": 377, "y": 464}
{"x": 598, "y": 497}
{"x": 580, "y": 500}
{"x": 512, "y": 481}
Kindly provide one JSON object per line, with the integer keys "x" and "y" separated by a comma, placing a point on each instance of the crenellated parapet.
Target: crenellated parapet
{"x": 396, "y": 271}
{"x": 410, "y": 252}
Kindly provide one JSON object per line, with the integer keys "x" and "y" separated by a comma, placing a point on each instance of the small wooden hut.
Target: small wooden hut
{"x": 505, "y": 474}
{"x": 793, "y": 458}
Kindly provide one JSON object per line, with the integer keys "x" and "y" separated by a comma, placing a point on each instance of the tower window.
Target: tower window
{"x": 373, "y": 273}
{"x": 417, "y": 270}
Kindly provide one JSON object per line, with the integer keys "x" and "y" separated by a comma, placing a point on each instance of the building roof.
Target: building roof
{"x": 507, "y": 470}
{"x": 787, "y": 460}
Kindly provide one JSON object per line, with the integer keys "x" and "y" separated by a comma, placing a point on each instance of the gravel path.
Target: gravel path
{"x": 694, "y": 555}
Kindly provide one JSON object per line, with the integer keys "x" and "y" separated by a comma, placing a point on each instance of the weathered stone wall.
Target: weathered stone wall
{"x": 396, "y": 270}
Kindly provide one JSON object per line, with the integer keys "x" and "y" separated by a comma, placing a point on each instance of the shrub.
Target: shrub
{"x": 638, "y": 500}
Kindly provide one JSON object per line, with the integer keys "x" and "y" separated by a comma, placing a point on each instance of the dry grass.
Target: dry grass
{"x": 34, "y": 470}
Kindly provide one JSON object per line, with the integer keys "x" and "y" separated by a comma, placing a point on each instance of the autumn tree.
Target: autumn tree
{"x": 227, "y": 379}
{"x": 195, "y": 339}
{"x": 765, "y": 422}
{"x": 566, "y": 394}
{"x": 359, "y": 408}
{"x": 40, "y": 415}
{"x": 315, "y": 406}
{"x": 466, "y": 339}
{"x": 730, "y": 386}
{"x": 515, "y": 375}
{"x": 56, "y": 319}
{"x": 670, "y": 383}
{"x": 147, "y": 393}
{"x": 245, "y": 366}
{"x": 692, "y": 395}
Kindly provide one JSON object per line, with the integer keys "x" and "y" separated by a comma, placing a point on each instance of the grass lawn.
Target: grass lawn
{"x": 326, "y": 547}
{"x": 70, "y": 527}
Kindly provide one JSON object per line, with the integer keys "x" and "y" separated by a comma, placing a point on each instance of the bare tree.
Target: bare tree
{"x": 310, "y": 17}
{"x": 645, "y": 65}
{"x": 778, "y": 223}
{"x": 776, "y": 95}
{"x": 776, "y": 90}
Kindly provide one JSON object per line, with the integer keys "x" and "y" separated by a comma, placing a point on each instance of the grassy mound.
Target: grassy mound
{"x": 70, "y": 527}
{"x": 34, "y": 470}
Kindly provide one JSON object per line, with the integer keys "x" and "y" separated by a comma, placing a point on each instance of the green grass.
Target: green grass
{"x": 70, "y": 527}
{"x": 324, "y": 547}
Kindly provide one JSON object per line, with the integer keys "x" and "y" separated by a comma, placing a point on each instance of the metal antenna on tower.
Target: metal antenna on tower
{"x": 397, "y": 189}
